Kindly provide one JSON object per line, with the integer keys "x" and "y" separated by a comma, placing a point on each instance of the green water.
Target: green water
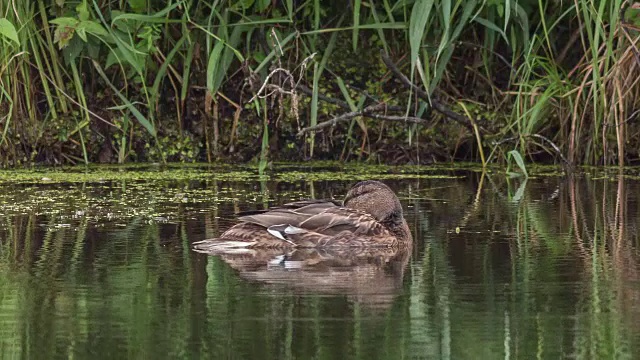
{"x": 100, "y": 266}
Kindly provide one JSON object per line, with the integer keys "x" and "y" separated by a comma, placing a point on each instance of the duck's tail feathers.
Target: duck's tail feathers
{"x": 226, "y": 247}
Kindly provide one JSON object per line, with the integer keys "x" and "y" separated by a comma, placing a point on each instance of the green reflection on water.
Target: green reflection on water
{"x": 499, "y": 269}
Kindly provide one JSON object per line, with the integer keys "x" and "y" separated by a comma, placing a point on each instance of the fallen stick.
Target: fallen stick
{"x": 367, "y": 112}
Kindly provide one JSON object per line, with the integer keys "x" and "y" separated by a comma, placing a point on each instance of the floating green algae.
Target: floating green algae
{"x": 155, "y": 193}
{"x": 319, "y": 170}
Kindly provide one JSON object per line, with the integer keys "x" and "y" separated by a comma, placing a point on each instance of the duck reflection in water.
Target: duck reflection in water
{"x": 360, "y": 247}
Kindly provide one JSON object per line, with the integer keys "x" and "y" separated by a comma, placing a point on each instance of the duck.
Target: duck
{"x": 370, "y": 216}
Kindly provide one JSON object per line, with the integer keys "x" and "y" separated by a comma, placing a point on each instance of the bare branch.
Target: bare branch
{"x": 554, "y": 146}
{"x": 367, "y": 112}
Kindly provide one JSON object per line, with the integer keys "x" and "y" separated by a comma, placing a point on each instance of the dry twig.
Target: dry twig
{"x": 367, "y": 112}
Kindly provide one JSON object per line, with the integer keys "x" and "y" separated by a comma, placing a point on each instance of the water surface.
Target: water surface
{"x": 100, "y": 265}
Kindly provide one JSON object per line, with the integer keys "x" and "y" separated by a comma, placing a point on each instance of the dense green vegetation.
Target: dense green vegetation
{"x": 401, "y": 81}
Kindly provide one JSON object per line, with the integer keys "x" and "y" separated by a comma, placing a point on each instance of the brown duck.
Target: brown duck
{"x": 370, "y": 216}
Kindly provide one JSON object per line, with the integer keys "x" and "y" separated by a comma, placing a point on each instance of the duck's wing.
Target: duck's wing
{"x": 339, "y": 219}
{"x": 292, "y": 214}
{"x": 335, "y": 227}
{"x": 308, "y": 205}
{"x": 256, "y": 229}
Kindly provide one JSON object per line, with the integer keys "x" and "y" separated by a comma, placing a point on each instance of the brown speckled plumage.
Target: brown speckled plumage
{"x": 370, "y": 216}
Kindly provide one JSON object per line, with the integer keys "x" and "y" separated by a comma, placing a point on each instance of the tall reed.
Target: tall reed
{"x": 185, "y": 72}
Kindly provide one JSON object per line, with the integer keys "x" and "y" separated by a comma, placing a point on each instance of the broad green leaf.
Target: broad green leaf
{"x": 507, "y": 14}
{"x": 352, "y": 105}
{"x": 445, "y": 52}
{"x": 381, "y": 35}
{"x": 519, "y": 161}
{"x": 65, "y": 21}
{"x": 314, "y": 105}
{"x": 490, "y": 25}
{"x": 129, "y": 54}
{"x": 356, "y": 23}
{"x": 136, "y": 113}
{"x": 468, "y": 8}
{"x": 227, "y": 56}
{"x": 262, "y": 5}
{"x": 113, "y": 58}
{"x": 290, "y": 9}
{"x": 328, "y": 51}
{"x": 8, "y": 31}
{"x": 83, "y": 11}
{"x": 524, "y": 23}
{"x": 162, "y": 71}
{"x": 93, "y": 28}
{"x": 159, "y": 17}
{"x": 345, "y": 94}
{"x": 446, "y": 14}
{"x": 82, "y": 33}
{"x": 127, "y": 27}
{"x": 186, "y": 69}
{"x": 417, "y": 25}
{"x": 213, "y": 66}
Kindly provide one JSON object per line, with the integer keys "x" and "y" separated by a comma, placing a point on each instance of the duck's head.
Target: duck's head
{"x": 378, "y": 200}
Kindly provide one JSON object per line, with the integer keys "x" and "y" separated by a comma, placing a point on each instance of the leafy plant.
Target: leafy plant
{"x": 514, "y": 156}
